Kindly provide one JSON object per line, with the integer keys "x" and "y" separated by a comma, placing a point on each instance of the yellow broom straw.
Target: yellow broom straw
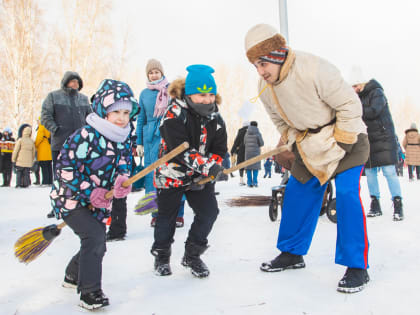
{"x": 33, "y": 243}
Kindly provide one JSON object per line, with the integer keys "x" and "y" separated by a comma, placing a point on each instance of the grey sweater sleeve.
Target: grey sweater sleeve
{"x": 47, "y": 114}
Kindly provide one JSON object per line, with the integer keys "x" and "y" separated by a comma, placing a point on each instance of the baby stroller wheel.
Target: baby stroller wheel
{"x": 273, "y": 210}
{"x": 332, "y": 210}
{"x": 277, "y": 194}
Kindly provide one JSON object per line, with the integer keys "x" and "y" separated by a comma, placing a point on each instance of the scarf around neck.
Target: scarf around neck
{"x": 108, "y": 129}
{"x": 162, "y": 97}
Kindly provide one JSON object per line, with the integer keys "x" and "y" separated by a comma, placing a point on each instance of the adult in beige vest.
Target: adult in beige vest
{"x": 319, "y": 118}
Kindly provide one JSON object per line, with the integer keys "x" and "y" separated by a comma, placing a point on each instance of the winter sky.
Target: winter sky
{"x": 379, "y": 36}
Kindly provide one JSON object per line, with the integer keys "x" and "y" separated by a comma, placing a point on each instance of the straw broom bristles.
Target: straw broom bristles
{"x": 33, "y": 243}
{"x": 146, "y": 204}
{"x": 249, "y": 201}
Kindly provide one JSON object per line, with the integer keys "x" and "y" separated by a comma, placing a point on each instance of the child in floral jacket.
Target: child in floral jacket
{"x": 93, "y": 160}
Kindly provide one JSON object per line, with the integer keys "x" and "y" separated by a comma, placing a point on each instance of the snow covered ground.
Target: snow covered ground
{"x": 242, "y": 238}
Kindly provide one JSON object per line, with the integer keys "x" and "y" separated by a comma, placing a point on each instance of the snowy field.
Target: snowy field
{"x": 241, "y": 240}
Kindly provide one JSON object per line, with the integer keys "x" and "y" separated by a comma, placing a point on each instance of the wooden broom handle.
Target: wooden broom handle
{"x": 182, "y": 147}
{"x": 247, "y": 162}
{"x": 170, "y": 155}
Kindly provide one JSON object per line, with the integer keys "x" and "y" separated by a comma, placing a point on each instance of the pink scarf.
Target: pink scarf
{"x": 162, "y": 97}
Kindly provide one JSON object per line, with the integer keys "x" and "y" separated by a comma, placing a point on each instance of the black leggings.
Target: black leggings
{"x": 86, "y": 266}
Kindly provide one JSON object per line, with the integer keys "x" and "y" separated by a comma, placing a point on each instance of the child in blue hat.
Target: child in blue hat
{"x": 192, "y": 116}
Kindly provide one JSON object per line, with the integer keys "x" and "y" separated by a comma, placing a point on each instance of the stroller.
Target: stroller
{"x": 277, "y": 195}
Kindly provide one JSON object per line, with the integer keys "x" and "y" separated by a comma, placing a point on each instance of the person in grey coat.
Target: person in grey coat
{"x": 64, "y": 111}
{"x": 253, "y": 143}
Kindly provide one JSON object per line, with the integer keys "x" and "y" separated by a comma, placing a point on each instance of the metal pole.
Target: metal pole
{"x": 284, "y": 29}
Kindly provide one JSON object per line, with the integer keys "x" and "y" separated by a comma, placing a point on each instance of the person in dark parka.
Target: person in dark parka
{"x": 238, "y": 150}
{"x": 253, "y": 143}
{"x": 383, "y": 146}
{"x": 64, "y": 111}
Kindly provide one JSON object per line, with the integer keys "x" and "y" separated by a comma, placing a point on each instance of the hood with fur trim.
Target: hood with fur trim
{"x": 177, "y": 90}
{"x": 71, "y": 75}
{"x": 111, "y": 91}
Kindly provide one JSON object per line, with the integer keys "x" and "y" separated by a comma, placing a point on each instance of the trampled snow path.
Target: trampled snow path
{"x": 242, "y": 238}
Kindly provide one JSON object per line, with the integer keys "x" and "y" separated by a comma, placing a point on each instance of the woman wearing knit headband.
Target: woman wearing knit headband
{"x": 153, "y": 102}
{"x": 319, "y": 118}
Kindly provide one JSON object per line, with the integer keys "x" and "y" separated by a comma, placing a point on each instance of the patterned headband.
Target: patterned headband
{"x": 277, "y": 56}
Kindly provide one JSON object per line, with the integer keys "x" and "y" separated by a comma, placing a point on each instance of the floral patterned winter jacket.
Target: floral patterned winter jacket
{"x": 87, "y": 160}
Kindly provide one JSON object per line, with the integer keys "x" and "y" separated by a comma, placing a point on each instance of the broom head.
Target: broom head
{"x": 32, "y": 244}
{"x": 146, "y": 204}
{"x": 249, "y": 201}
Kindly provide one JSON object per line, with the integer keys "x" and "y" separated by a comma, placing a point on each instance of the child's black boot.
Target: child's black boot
{"x": 162, "y": 258}
{"x": 192, "y": 259}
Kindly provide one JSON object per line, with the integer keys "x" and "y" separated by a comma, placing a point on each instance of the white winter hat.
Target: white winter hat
{"x": 261, "y": 40}
{"x": 356, "y": 76}
{"x": 413, "y": 126}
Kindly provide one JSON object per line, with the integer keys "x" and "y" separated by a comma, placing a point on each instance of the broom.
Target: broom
{"x": 148, "y": 203}
{"x": 246, "y": 163}
{"x": 33, "y": 243}
{"x": 249, "y": 201}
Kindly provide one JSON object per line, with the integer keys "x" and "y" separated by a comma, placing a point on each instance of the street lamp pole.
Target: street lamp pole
{"x": 284, "y": 28}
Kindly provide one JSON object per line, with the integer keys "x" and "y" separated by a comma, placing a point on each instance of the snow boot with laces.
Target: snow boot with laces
{"x": 354, "y": 280}
{"x": 375, "y": 208}
{"x": 398, "y": 209}
{"x": 193, "y": 261}
{"x": 162, "y": 258}
{"x": 282, "y": 262}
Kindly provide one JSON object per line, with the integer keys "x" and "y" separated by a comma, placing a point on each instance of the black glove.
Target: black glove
{"x": 215, "y": 172}
{"x": 194, "y": 186}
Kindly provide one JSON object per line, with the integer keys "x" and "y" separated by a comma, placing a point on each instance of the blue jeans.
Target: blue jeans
{"x": 252, "y": 176}
{"x": 391, "y": 177}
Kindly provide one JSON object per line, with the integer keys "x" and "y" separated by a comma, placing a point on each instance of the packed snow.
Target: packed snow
{"x": 242, "y": 238}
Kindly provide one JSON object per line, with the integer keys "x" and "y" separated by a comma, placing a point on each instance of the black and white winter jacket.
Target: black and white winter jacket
{"x": 206, "y": 136}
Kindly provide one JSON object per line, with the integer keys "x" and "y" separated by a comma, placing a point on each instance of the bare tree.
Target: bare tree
{"x": 83, "y": 39}
{"x": 404, "y": 113}
{"x": 23, "y": 64}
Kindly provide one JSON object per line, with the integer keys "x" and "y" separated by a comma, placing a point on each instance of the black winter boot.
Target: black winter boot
{"x": 93, "y": 300}
{"x": 354, "y": 280}
{"x": 375, "y": 208}
{"x": 398, "y": 209}
{"x": 162, "y": 258}
{"x": 282, "y": 262}
{"x": 192, "y": 260}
